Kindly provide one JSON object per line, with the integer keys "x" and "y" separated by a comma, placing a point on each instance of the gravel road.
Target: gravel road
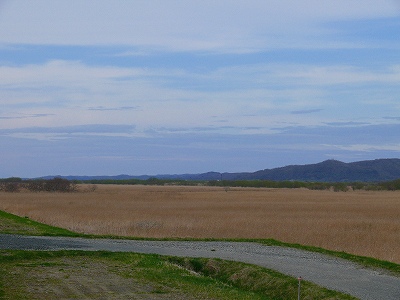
{"x": 332, "y": 273}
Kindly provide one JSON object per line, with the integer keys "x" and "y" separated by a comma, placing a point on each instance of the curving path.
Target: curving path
{"x": 332, "y": 273}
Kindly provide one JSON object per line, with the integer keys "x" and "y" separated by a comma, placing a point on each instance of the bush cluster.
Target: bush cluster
{"x": 57, "y": 184}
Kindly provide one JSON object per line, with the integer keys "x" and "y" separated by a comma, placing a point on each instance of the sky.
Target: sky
{"x": 171, "y": 87}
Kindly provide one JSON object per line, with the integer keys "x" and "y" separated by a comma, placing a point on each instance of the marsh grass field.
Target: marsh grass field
{"x": 365, "y": 223}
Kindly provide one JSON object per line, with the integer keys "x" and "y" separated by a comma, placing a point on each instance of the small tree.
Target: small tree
{"x": 35, "y": 185}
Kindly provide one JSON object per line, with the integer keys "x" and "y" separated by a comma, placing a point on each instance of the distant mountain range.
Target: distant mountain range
{"x": 326, "y": 171}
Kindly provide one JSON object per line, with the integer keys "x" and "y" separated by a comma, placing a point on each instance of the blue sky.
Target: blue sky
{"x": 156, "y": 87}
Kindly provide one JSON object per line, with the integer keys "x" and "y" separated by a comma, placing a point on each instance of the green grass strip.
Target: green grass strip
{"x": 12, "y": 224}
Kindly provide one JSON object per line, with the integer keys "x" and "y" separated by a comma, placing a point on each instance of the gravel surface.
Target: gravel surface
{"x": 332, "y": 273}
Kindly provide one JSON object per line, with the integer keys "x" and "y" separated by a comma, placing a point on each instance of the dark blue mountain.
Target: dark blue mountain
{"x": 326, "y": 171}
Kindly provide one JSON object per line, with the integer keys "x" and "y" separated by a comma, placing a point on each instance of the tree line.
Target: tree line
{"x": 58, "y": 184}
{"x": 335, "y": 186}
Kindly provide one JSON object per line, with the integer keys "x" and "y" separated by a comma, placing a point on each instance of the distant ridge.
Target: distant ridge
{"x": 334, "y": 171}
{"x": 326, "y": 171}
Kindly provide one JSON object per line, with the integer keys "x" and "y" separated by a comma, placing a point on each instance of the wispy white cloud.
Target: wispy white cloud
{"x": 103, "y": 108}
{"x": 199, "y": 25}
{"x": 306, "y": 111}
{"x": 56, "y": 71}
{"x": 70, "y": 132}
{"x": 347, "y": 124}
{"x": 334, "y": 75}
{"x": 367, "y": 147}
{"x": 27, "y": 116}
{"x": 392, "y": 118}
{"x": 74, "y": 93}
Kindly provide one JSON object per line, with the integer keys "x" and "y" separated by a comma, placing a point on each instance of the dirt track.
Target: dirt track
{"x": 332, "y": 273}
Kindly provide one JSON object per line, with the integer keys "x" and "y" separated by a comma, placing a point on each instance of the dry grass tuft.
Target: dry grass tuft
{"x": 360, "y": 222}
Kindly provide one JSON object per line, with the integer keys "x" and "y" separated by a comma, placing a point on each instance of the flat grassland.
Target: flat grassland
{"x": 364, "y": 223}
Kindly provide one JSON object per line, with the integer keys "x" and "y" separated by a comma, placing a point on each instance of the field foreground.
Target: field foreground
{"x": 360, "y": 222}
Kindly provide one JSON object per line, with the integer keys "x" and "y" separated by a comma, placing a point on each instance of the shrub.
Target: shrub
{"x": 35, "y": 185}
{"x": 59, "y": 185}
{"x": 11, "y": 187}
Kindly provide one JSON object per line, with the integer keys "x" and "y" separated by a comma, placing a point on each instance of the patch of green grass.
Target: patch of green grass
{"x": 12, "y": 224}
{"x": 260, "y": 281}
{"x": 49, "y": 275}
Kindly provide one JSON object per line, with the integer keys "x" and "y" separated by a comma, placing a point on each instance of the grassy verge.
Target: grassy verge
{"x": 257, "y": 280}
{"x": 96, "y": 275}
{"x": 12, "y": 224}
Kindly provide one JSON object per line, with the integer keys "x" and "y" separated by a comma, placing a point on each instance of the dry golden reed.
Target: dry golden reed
{"x": 358, "y": 222}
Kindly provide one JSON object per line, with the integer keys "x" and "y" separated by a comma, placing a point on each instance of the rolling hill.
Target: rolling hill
{"x": 326, "y": 171}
